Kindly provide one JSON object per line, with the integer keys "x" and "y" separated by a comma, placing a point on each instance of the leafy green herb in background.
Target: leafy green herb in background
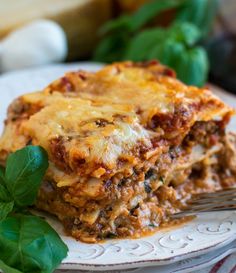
{"x": 27, "y": 243}
{"x": 127, "y": 38}
{"x": 201, "y": 13}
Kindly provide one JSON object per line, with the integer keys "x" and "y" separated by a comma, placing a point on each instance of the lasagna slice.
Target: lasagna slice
{"x": 127, "y": 146}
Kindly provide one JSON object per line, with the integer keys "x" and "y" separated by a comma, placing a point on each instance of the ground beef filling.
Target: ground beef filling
{"x": 129, "y": 206}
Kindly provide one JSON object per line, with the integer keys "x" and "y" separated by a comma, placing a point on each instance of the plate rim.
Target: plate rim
{"x": 148, "y": 262}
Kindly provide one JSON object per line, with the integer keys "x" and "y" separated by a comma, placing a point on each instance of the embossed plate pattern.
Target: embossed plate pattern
{"x": 203, "y": 234}
{"x": 201, "y": 264}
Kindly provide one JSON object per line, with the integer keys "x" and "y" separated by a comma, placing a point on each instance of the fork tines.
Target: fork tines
{"x": 206, "y": 202}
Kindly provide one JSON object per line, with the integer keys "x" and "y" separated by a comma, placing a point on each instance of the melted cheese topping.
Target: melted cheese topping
{"x": 98, "y": 124}
{"x": 144, "y": 88}
{"x": 76, "y": 119}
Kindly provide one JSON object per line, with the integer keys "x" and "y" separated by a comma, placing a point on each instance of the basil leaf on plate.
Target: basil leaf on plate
{"x": 5, "y": 209}
{"x": 4, "y": 194}
{"x": 7, "y": 269}
{"x": 29, "y": 244}
{"x": 25, "y": 170}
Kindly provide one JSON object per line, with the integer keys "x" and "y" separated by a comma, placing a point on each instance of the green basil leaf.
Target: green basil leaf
{"x": 192, "y": 67}
{"x": 140, "y": 46}
{"x": 167, "y": 52}
{"x": 186, "y": 33}
{"x": 151, "y": 9}
{"x": 157, "y": 42}
{"x": 121, "y": 22}
{"x": 111, "y": 48}
{"x": 2, "y": 174}
{"x": 29, "y": 244}
{"x": 4, "y": 194}
{"x": 142, "y": 16}
{"x": 7, "y": 269}
{"x": 199, "y": 12}
{"x": 5, "y": 209}
{"x": 25, "y": 170}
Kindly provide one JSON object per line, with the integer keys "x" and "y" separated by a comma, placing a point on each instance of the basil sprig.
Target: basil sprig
{"x": 129, "y": 37}
{"x": 27, "y": 243}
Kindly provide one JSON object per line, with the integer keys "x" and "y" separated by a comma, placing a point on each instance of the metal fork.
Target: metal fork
{"x": 207, "y": 202}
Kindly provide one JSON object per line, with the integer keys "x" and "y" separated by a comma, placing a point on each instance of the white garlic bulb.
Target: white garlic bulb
{"x": 38, "y": 43}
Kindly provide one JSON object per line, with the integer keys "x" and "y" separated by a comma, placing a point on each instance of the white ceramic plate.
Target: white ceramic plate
{"x": 206, "y": 233}
{"x": 201, "y": 264}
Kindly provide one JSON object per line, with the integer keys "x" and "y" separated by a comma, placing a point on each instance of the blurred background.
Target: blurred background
{"x": 194, "y": 37}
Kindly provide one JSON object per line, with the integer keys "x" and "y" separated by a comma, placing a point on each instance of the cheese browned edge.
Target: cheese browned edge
{"x": 118, "y": 141}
